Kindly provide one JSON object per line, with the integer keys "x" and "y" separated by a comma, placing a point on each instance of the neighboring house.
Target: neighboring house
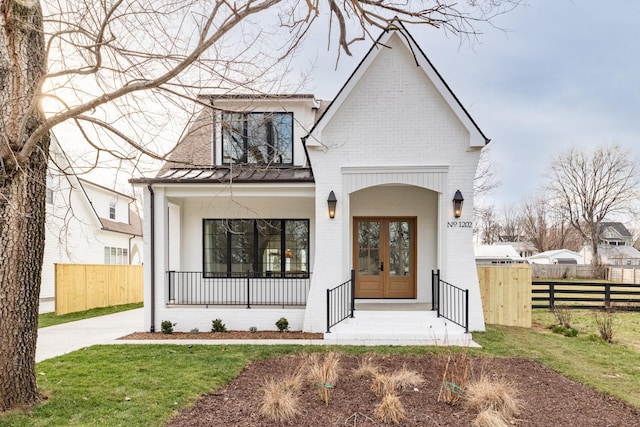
{"x": 281, "y": 196}
{"x": 523, "y": 248}
{"x": 615, "y": 246}
{"x": 86, "y": 223}
{"x": 497, "y": 255}
{"x": 558, "y": 256}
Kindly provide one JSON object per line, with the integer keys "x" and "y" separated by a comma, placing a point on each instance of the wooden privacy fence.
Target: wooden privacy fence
{"x": 624, "y": 274}
{"x": 586, "y": 295}
{"x": 84, "y": 286}
{"x": 506, "y": 294}
{"x": 562, "y": 271}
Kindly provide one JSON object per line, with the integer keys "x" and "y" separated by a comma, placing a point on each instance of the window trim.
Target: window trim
{"x": 245, "y": 137}
{"x": 254, "y": 272}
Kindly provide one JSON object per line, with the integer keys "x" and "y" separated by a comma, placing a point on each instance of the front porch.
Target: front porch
{"x": 397, "y": 324}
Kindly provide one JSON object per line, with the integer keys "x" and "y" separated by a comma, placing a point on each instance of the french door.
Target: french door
{"x": 385, "y": 257}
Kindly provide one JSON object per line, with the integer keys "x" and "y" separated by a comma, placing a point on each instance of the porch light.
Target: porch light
{"x": 332, "y": 202}
{"x": 457, "y": 204}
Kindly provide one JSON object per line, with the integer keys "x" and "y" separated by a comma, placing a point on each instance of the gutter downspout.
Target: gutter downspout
{"x": 153, "y": 258}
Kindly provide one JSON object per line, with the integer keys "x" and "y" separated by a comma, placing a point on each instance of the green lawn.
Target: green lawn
{"x": 141, "y": 385}
{"x": 50, "y": 319}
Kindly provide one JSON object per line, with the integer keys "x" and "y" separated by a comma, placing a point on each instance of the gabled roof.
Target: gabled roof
{"x": 477, "y": 137}
{"x": 618, "y": 227}
{"x": 134, "y": 227}
{"x": 555, "y": 254}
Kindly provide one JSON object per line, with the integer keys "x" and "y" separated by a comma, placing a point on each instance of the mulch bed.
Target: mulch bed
{"x": 231, "y": 335}
{"x": 547, "y": 398}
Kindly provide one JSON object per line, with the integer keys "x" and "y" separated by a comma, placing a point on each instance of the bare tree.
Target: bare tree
{"x": 96, "y": 59}
{"x": 545, "y": 228}
{"x": 510, "y": 227}
{"x": 586, "y": 187}
{"x": 487, "y": 226}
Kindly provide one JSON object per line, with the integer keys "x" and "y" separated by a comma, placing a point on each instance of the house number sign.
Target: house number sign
{"x": 459, "y": 224}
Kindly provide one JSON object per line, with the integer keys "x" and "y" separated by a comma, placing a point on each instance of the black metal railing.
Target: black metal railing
{"x": 341, "y": 302}
{"x": 449, "y": 301}
{"x": 250, "y": 288}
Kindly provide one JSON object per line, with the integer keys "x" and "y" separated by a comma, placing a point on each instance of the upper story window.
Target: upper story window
{"x": 112, "y": 209}
{"x": 257, "y": 138}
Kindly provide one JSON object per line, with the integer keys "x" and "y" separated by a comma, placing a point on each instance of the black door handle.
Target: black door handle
{"x": 382, "y": 266}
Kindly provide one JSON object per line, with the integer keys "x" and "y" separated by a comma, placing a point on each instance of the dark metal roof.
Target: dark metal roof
{"x": 227, "y": 174}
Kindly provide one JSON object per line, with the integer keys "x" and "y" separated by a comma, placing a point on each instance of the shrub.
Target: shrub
{"x": 279, "y": 401}
{"x": 572, "y": 332}
{"x": 324, "y": 373}
{"x": 167, "y": 326}
{"x": 253, "y": 329}
{"x": 195, "y": 330}
{"x": 218, "y": 326}
{"x": 390, "y": 410}
{"x": 456, "y": 372}
{"x": 406, "y": 379}
{"x": 563, "y": 315}
{"x": 490, "y": 418}
{"x": 366, "y": 369}
{"x": 493, "y": 398}
{"x": 604, "y": 322}
{"x": 282, "y": 324}
{"x": 382, "y": 385}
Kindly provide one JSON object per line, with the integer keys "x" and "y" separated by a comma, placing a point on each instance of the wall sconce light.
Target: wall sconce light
{"x": 457, "y": 204}
{"x": 332, "y": 202}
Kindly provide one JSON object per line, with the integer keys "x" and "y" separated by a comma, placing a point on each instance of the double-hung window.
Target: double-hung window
{"x": 257, "y": 138}
{"x": 269, "y": 248}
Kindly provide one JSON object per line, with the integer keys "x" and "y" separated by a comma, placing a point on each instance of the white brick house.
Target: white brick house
{"x": 393, "y": 147}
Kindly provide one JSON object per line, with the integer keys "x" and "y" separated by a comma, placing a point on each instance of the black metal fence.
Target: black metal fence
{"x": 250, "y": 288}
{"x": 586, "y": 295}
{"x": 341, "y": 302}
{"x": 449, "y": 301}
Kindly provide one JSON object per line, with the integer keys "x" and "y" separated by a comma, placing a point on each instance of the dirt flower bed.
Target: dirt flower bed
{"x": 546, "y": 398}
{"x": 230, "y": 335}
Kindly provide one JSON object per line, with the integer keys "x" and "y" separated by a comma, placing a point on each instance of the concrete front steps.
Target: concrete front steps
{"x": 398, "y": 327}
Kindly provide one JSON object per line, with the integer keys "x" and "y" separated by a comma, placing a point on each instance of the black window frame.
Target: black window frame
{"x": 256, "y": 263}
{"x": 272, "y": 159}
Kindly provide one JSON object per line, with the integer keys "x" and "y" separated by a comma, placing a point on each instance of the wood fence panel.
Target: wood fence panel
{"x": 506, "y": 294}
{"x": 97, "y": 285}
{"x": 73, "y": 293}
{"x": 81, "y": 287}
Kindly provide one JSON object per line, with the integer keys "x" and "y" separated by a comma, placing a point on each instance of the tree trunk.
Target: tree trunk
{"x": 22, "y": 198}
{"x": 22, "y": 217}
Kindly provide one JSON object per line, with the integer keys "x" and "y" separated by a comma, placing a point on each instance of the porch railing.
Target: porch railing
{"x": 248, "y": 289}
{"x": 341, "y": 302}
{"x": 449, "y": 301}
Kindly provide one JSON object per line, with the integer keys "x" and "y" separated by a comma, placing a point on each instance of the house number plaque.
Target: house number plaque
{"x": 459, "y": 224}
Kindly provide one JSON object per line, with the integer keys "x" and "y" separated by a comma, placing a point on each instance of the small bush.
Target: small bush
{"x": 218, "y": 326}
{"x": 324, "y": 373}
{"x": 563, "y": 315}
{"x": 279, "y": 402}
{"x": 406, "y": 380}
{"x": 605, "y": 322}
{"x": 572, "y": 332}
{"x": 486, "y": 394}
{"x": 490, "y": 418}
{"x": 390, "y": 410}
{"x": 366, "y": 369}
{"x": 382, "y": 385}
{"x": 282, "y": 324}
{"x": 253, "y": 329}
{"x": 457, "y": 368}
{"x": 195, "y": 330}
{"x": 167, "y": 326}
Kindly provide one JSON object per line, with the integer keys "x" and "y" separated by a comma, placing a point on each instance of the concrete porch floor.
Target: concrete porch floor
{"x": 393, "y": 325}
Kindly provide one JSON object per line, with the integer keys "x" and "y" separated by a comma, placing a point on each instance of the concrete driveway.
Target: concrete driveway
{"x": 62, "y": 339}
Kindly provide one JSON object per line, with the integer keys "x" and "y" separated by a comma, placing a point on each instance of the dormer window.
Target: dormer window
{"x": 257, "y": 138}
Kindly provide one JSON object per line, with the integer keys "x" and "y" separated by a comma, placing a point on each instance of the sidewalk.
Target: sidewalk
{"x": 62, "y": 339}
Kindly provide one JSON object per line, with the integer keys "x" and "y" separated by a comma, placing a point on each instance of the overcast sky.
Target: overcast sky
{"x": 565, "y": 73}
